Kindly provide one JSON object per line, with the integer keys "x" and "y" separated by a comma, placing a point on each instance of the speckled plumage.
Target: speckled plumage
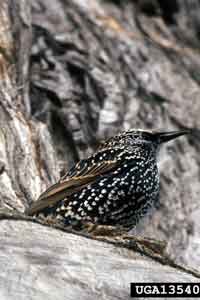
{"x": 117, "y": 185}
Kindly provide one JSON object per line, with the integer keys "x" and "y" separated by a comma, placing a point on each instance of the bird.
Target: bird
{"x": 117, "y": 185}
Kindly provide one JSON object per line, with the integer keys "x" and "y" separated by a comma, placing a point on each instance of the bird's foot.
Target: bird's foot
{"x": 118, "y": 234}
{"x": 102, "y": 230}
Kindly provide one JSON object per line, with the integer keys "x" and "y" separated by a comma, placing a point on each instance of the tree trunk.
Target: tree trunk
{"x": 73, "y": 73}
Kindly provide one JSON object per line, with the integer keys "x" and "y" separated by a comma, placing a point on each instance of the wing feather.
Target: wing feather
{"x": 77, "y": 179}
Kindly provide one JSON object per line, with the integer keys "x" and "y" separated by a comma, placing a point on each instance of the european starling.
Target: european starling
{"x": 115, "y": 186}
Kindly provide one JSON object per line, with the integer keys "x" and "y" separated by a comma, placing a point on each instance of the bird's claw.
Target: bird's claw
{"x": 102, "y": 230}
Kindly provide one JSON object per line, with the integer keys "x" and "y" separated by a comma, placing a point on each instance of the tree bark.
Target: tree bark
{"x": 73, "y": 73}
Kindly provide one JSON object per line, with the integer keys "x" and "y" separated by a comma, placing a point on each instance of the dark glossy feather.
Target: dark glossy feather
{"x": 117, "y": 185}
{"x": 79, "y": 177}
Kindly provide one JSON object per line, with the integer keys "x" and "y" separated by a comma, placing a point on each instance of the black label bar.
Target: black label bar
{"x": 165, "y": 289}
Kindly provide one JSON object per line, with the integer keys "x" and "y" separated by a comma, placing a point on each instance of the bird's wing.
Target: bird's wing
{"x": 84, "y": 173}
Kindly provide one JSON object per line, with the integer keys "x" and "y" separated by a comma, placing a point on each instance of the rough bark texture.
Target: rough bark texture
{"x": 80, "y": 71}
{"x": 48, "y": 264}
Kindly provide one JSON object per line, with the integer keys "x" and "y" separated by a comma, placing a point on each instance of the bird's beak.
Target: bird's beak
{"x": 164, "y": 137}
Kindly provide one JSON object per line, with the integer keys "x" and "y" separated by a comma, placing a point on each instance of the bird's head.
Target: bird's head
{"x": 144, "y": 138}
